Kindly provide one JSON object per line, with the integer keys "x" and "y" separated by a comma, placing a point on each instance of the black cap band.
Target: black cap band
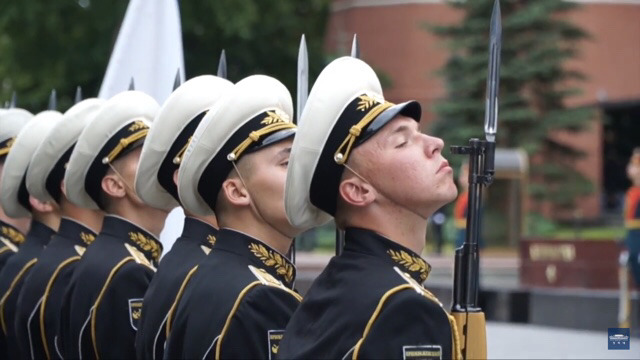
{"x": 55, "y": 177}
{"x": 218, "y": 169}
{"x": 168, "y": 165}
{"x": 116, "y": 147}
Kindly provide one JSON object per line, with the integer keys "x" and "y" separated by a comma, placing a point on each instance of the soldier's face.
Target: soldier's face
{"x": 128, "y": 172}
{"x": 266, "y": 182}
{"x": 407, "y": 167}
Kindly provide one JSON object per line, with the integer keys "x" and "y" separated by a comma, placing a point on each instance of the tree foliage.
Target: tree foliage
{"x": 65, "y": 43}
{"x": 535, "y": 84}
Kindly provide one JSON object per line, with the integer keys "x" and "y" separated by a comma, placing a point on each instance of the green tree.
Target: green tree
{"x": 65, "y": 43}
{"x": 535, "y": 84}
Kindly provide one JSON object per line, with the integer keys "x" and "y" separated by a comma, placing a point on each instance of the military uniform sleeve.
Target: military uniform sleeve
{"x": 9, "y": 307}
{"x": 24, "y": 323}
{"x": 117, "y": 312}
{"x": 255, "y": 326}
{"x": 406, "y": 326}
{"x": 63, "y": 341}
{"x": 51, "y": 310}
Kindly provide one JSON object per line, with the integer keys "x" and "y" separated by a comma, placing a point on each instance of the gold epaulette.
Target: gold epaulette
{"x": 9, "y": 245}
{"x": 139, "y": 257}
{"x": 80, "y": 249}
{"x": 264, "y": 278}
{"x": 411, "y": 285}
{"x": 417, "y": 287}
{"x": 267, "y": 279}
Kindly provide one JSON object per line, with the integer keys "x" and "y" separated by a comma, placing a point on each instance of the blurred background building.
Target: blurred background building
{"x": 393, "y": 40}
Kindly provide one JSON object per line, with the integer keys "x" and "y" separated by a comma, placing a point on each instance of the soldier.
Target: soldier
{"x": 238, "y": 301}
{"x": 11, "y": 230}
{"x": 102, "y": 302}
{"x": 632, "y": 215}
{"x": 18, "y": 202}
{"x": 40, "y": 300}
{"x": 156, "y": 184}
{"x": 364, "y": 161}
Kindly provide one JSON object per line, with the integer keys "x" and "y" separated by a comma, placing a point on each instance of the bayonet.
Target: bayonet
{"x": 302, "y": 78}
{"x": 53, "y": 100}
{"x": 222, "y": 65}
{"x": 493, "y": 77}
{"x": 177, "y": 81}
{"x": 355, "y": 52}
{"x": 14, "y": 100}
{"x": 302, "y": 87}
{"x": 78, "y": 96}
{"x": 355, "y": 47}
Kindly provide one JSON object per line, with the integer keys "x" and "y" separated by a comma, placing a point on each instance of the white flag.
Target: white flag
{"x": 149, "y": 50}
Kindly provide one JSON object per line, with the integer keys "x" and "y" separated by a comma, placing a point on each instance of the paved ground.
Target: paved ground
{"x": 516, "y": 341}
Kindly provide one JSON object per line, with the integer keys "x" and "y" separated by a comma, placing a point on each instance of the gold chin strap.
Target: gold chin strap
{"x": 255, "y": 136}
{"x": 342, "y": 154}
{"x": 178, "y": 158}
{"x": 123, "y": 143}
{"x": 7, "y": 147}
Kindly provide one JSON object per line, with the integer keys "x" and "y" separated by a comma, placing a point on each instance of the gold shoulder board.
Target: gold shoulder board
{"x": 9, "y": 244}
{"x": 139, "y": 257}
{"x": 418, "y": 288}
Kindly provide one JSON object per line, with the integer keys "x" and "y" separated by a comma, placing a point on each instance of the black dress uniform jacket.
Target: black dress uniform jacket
{"x": 38, "y": 307}
{"x": 237, "y": 303}
{"x": 103, "y": 301}
{"x": 188, "y": 251}
{"x": 10, "y": 240}
{"x": 12, "y": 279}
{"x": 369, "y": 303}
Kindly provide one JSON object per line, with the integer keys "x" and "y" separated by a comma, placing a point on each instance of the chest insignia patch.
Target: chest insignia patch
{"x": 421, "y": 352}
{"x": 275, "y": 336}
{"x": 135, "y": 311}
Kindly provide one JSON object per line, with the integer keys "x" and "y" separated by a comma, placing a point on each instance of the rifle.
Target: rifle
{"x": 302, "y": 93}
{"x": 355, "y": 52}
{"x": 466, "y": 311}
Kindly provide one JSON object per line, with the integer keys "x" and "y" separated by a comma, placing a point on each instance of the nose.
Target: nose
{"x": 432, "y": 145}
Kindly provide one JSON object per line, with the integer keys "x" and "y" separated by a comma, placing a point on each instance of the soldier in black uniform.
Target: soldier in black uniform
{"x": 103, "y": 301}
{"x": 236, "y": 303}
{"x": 161, "y": 156}
{"x": 18, "y": 202}
{"x": 40, "y": 300}
{"x": 364, "y": 161}
{"x": 11, "y": 230}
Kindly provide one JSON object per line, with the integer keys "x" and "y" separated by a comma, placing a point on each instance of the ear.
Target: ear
{"x": 175, "y": 177}
{"x": 356, "y": 192}
{"x": 40, "y": 206}
{"x": 235, "y": 192}
{"x": 113, "y": 186}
